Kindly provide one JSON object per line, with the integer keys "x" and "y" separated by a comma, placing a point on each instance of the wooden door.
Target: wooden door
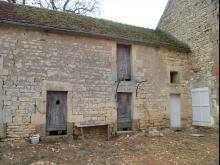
{"x": 124, "y": 121}
{"x": 123, "y": 63}
{"x": 56, "y": 117}
{"x": 175, "y": 112}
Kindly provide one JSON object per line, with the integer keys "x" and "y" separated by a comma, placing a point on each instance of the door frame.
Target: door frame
{"x": 180, "y": 107}
{"x": 41, "y": 105}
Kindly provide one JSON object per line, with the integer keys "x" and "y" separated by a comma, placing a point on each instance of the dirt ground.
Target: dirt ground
{"x": 138, "y": 149}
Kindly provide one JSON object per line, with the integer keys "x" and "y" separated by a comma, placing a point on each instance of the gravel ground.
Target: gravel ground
{"x": 137, "y": 149}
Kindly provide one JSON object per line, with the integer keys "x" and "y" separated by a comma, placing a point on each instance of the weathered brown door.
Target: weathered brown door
{"x": 56, "y": 118}
{"x": 123, "y": 63}
{"x": 124, "y": 121}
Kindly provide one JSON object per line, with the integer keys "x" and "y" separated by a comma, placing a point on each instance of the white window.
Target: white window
{"x": 200, "y": 105}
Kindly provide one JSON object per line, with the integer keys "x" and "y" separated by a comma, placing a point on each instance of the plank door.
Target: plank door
{"x": 124, "y": 121}
{"x": 56, "y": 117}
{"x": 123, "y": 63}
{"x": 200, "y": 105}
{"x": 175, "y": 111}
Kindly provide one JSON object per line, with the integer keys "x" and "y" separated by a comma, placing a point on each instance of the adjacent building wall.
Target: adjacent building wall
{"x": 196, "y": 22}
{"x": 35, "y": 62}
{"x": 154, "y": 65}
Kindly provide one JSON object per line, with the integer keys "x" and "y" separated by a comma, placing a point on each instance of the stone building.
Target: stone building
{"x": 59, "y": 71}
{"x": 196, "y": 22}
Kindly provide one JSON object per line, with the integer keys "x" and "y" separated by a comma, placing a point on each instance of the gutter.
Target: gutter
{"x": 96, "y": 35}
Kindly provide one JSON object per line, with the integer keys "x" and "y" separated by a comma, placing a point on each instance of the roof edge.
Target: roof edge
{"x": 96, "y": 35}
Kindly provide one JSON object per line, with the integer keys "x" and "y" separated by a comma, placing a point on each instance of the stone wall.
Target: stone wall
{"x": 35, "y": 62}
{"x": 196, "y": 22}
{"x": 152, "y": 102}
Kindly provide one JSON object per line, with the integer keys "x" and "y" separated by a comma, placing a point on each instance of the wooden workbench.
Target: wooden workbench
{"x": 92, "y": 123}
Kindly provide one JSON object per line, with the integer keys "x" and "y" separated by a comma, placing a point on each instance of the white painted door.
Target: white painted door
{"x": 200, "y": 105}
{"x": 175, "y": 112}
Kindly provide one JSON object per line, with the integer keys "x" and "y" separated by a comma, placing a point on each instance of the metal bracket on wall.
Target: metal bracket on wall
{"x": 138, "y": 84}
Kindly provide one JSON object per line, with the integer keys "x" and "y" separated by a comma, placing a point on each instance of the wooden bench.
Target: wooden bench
{"x": 93, "y": 123}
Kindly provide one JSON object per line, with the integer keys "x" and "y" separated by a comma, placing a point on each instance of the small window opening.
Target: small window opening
{"x": 174, "y": 77}
{"x": 57, "y": 102}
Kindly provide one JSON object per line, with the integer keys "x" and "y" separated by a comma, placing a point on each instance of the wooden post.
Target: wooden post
{"x": 82, "y": 134}
{"x": 108, "y": 132}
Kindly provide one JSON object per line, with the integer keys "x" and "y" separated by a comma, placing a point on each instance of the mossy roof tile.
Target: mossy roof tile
{"x": 30, "y": 16}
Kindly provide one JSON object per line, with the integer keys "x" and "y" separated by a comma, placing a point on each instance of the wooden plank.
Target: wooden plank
{"x": 201, "y": 105}
{"x": 91, "y": 123}
{"x": 83, "y": 126}
{"x": 124, "y": 111}
{"x": 56, "y": 116}
{"x": 123, "y": 63}
{"x": 82, "y": 133}
{"x": 108, "y": 132}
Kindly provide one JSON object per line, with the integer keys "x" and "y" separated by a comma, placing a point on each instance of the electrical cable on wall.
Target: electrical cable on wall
{"x": 116, "y": 91}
